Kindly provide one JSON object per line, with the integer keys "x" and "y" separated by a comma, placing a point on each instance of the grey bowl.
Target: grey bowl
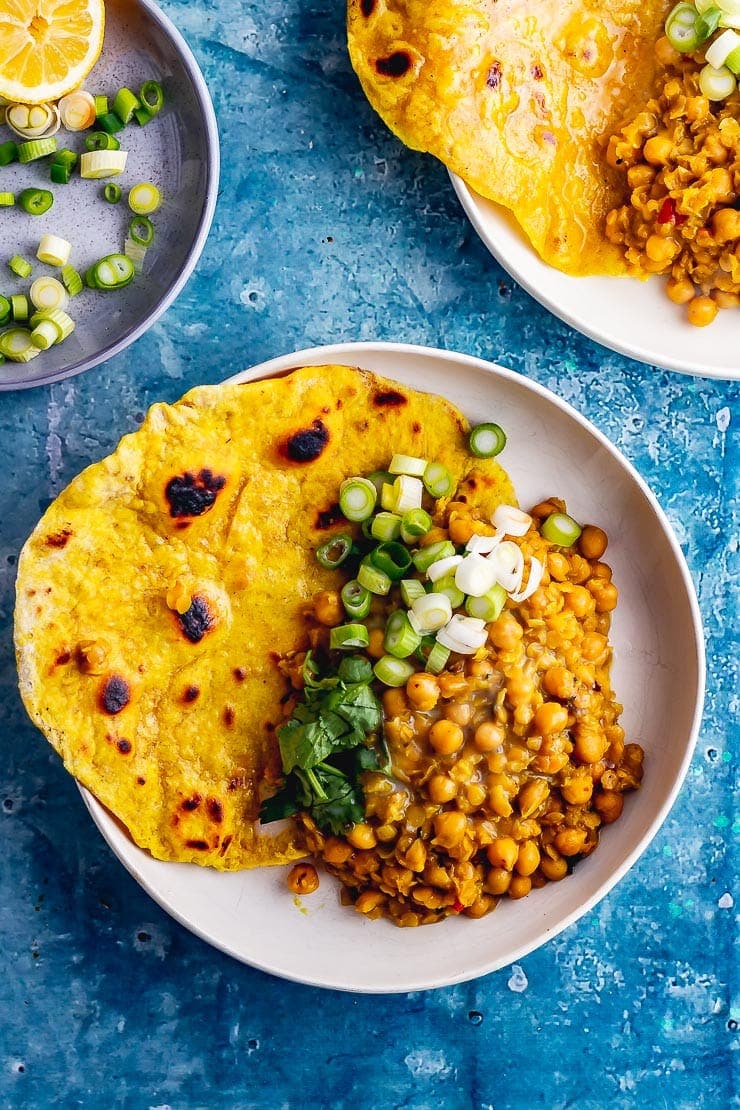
{"x": 178, "y": 151}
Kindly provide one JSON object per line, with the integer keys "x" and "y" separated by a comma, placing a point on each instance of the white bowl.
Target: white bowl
{"x": 630, "y": 316}
{"x": 658, "y": 675}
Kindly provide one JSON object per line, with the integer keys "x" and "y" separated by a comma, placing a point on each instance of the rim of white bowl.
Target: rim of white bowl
{"x": 213, "y": 171}
{"x": 352, "y": 354}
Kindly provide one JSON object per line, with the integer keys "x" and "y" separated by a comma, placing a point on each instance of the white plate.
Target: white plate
{"x": 658, "y": 673}
{"x": 630, "y": 316}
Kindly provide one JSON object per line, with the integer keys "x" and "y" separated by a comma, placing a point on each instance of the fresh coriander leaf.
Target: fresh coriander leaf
{"x": 280, "y": 805}
{"x": 358, "y": 705}
{"x": 304, "y": 744}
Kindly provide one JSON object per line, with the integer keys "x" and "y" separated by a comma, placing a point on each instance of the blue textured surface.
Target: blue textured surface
{"x": 329, "y": 230}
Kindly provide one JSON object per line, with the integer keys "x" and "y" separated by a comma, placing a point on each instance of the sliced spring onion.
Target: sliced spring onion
{"x": 21, "y": 267}
{"x": 385, "y": 526}
{"x": 393, "y": 672}
{"x": 137, "y": 254}
{"x": 143, "y": 116}
{"x": 424, "y": 558}
{"x": 440, "y": 568}
{"x": 511, "y": 521}
{"x": 407, "y": 493}
{"x": 34, "y": 149}
{"x": 60, "y": 173}
{"x": 732, "y": 61}
{"x": 333, "y": 553}
{"x": 101, "y": 105}
{"x": 388, "y": 496}
{"x": 482, "y": 545}
{"x": 45, "y": 334}
{"x": 373, "y": 579}
{"x": 411, "y": 588}
{"x": 536, "y": 570}
{"x": 77, "y": 110}
{"x": 717, "y": 84}
{"x": 112, "y": 192}
{"x": 33, "y": 121}
{"x": 508, "y": 561}
{"x": 35, "y": 201}
{"x": 707, "y": 23}
{"x": 144, "y": 199}
{"x": 95, "y": 164}
{"x": 438, "y": 658}
{"x": 729, "y": 7}
{"x": 476, "y": 575}
{"x": 20, "y": 307}
{"x": 438, "y": 480}
{"x": 71, "y": 280}
{"x": 348, "y": 636}
{"x": 115, "y": 271}
{"x": 489, "y": 606}
{"x": 5, "y": 310}
{"x": 400, "y": 640}
{"x": 430, "y": 612}
{"x": 110, "y": 122}
{"x": 48, "y": 293}
{"x": 141, "y": 230}
{"x": 463, "y": 634}
{"x": 392, "y": 558}
{"x": 719, "y": 51}
{"x": 680, "y": 28}
{"x": 53, "y": 250}
{"x": 415, "y": 523}
{"x": 561, "y": 529}
{"x": 8, "y": 153}
{"x": 151, "y": 95}
{"x": 357, "y": 497}
{"x": 16, "y": 345}
{"x": 379, "y": 478}
{"x": 408, "y": 464}
{"x": 64, "y": 322}
{"x": 356, "y": 600}
{"x": 125, "y": 104}
{"x": 447, "y": 586}
{"x": 100, "y": 140}
{"x": 486, "y": 441}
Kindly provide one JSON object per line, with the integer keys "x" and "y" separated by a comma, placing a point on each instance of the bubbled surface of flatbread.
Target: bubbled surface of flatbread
{"x": 222, "y": 497}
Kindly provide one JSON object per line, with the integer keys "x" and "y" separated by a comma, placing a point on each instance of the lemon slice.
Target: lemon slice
{"x": 48, "y": 47}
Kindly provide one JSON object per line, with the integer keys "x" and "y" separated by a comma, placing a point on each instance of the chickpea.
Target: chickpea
{"x": 609, "y": 805}
{"x": 558, "y": 566}
{"x": 593, "y": 542}
{"x": 497, "y": 881}
{"x": 701, "y": 311}
{"x": 680, "y": 290}
{"x": 531, "y": 796}
{"x": 547, "y": 507}
{"x": 550, "y": 717}
{"x": 661, "y": 249}
{"x": 605, "y": 595}
{"x": 336, "y": 851}
{"x": 452, "y": 684}
{"x": 488, "y": 736}
{"x": 446, "y": 737}
{"x": 460, "y": 712}
{"x": 475, "y": 794}
{"x": 519, "y": 689}
{"x": 376, "y": 647}
{"x": 640, "y": 175}
{"x": 505, "y": 632}
{"x": 590, "y": 743}
{"x": 528, "y": 859}
{"x": 328, "y": 608}
{"x": 480, "y": 907}
{"x": 569, "y": 842}
{"x": 369, "y": 900}
{"x": 658, "y": 150}
{"x": 559, "y": 682}
{"x": 303, "y": 879}
{"x": 503, "y": 852}
{"x": 593, "y": 645}
{"x": 461, "y": 528}
{"x": 416, "y": 857}
{"x": 602, "y": 570}
{"x": 553, "y": 869}
{"x": 394, "y": 702}
{"x": 450, "y": 827}
{"x": 441, "y": 789}
{"x": 362, "y": 836}
{"x": 422, "y": 690}
{"x": 726, "y": 300}
{"x": 579, "y": 601}
{"x": 520, "y": 886}
{"x": 577, "y": 791}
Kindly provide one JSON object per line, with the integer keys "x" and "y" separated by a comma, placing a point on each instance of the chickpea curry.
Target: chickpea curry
{"x": 487, "y": 754}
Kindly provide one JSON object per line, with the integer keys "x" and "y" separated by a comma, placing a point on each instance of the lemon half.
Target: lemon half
{"x": 48, "y": 47}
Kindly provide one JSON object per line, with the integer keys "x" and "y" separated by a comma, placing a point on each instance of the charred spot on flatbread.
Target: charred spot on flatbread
{"x": 395, "y": 65}
{"x": 327, "y": 518}
{"x": 190, "y": 804}
{"x": 215, "y": 810}
{"x": 115, "y": 694}
{"x": 59, "y": 539}
{"x": 389, "y": 398}
{"x": 197, "y": 621}
{"x": 190, "y": 694}
{"x": 124, "y": 746}
{"x": 367, "y": 7}
{"x": 493, "y": 77}
{"x": 307, "y": 444}
{"x": 191, "y": 494}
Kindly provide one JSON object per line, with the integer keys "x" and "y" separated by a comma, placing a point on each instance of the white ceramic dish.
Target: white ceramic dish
{"x": 178, "y": 151}
{"x": 658, "y": 674}
{"x": 630, "y": 316}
